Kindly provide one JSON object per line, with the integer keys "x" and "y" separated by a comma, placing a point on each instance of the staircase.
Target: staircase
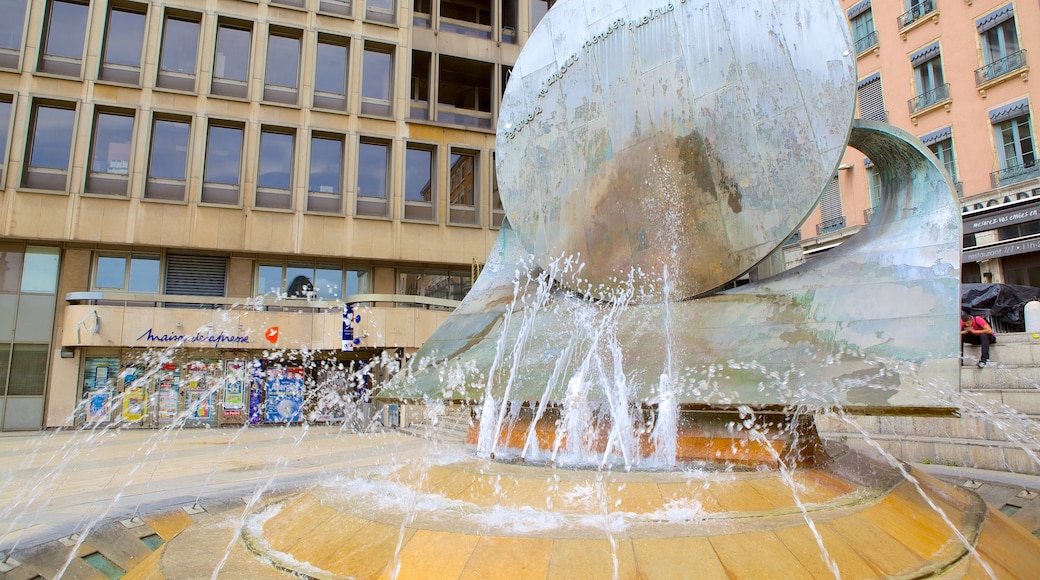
{"x": 450, "y": 427}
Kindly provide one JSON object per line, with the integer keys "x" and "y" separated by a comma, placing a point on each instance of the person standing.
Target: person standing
{"x": 975, "y": 330}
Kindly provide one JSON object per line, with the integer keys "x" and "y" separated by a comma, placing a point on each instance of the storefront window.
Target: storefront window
{"x": 100, "y": 374}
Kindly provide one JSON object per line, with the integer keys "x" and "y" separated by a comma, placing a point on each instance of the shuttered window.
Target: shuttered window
{"x": 195, "y": 275}
{"x": 830, "y": 204}
{"x": 871, "y": 99}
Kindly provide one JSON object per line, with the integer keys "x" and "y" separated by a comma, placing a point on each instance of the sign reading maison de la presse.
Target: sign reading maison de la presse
{"x": 150, "y": 336}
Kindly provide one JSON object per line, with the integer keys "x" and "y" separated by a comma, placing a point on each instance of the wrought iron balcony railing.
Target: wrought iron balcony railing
{"x": 999, "y": 68}
{"x": 925, "y": 100}
{"x": 831, "y": 225}
{"x": 914, "y": 14}
{"x": 866, "y": 43}
{"x": 1015, "y": 174}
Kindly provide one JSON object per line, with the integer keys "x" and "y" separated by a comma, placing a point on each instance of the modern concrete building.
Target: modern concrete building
{"x": 192, "y": 186}
{"x": 956, "y": 74}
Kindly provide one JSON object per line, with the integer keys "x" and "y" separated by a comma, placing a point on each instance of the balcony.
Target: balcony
{"x": 1015, "y": 174}
{"x": 916, "y": 14}
{"x": 995, "y": 70}
{"x": 928, "y": 100}
{"x": 113, "y": 319}
{"x": 831, "y": 225}
{"x": 866, "y": 43}
{"x": 868, "y": 214}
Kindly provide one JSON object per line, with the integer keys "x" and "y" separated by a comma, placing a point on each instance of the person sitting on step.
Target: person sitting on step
{"x": 975, "y": 330}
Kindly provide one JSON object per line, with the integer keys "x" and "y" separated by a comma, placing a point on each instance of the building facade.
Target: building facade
{"x": 193, "y": 190}
{"x": 955, "y": 73}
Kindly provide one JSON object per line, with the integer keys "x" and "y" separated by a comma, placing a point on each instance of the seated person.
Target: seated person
{"x": 975, "y": 330}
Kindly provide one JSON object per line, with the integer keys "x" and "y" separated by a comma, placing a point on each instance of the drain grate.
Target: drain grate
{"x": 153, "y": 541}
{"x": 104, "y": 565}
{"x": 1009, "y": 509}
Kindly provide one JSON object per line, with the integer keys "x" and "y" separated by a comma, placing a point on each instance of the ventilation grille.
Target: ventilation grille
{"x": 195, "y": 275}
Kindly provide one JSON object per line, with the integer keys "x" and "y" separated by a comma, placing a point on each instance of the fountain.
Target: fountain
{"x": 643, "y": 384}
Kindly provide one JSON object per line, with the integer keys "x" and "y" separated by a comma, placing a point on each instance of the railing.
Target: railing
{"x": 916, "y": 13}
{"x": 925, "y": 100}
{"x": 1014, "y": 174}
{"x": 831, "y": 225}
{"x": 465, "y": 117}
{"x": 866, "y": 43}
{"x": 260, "y": 303}
{"x": 465, "y": 28}
{"x": 999, "y": 68}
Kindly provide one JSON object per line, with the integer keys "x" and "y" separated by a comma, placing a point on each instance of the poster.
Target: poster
{"x": 256, "y": 392}
{"x": 203, "y": 381}
{"x": 234, "y": 388}
{"x": 197, "y": 402}
{"x": 99, "y": 405}
{"x": 169, "y": 393}
{"x": 134, "y": 404}
{"x": 284, "y": 394}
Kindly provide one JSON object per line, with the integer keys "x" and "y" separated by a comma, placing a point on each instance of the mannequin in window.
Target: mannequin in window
{"x": 301, "y": 287}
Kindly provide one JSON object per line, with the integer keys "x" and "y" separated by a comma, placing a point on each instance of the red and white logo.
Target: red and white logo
{"x": 271, "y": 334}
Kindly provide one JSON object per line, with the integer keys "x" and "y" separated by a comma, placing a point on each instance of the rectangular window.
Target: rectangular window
{"x": 337, "y": 7}
{"x": 274, "y": 184}
{"x": 180, "y": 43}
{"x": 196, "y": 275}
{"x": 448, "y": 285}
{"x": 222, "y": 174}
{"x": 419, "y": 199}
{"x": 419, "y": 92}
{"x": 468, "y": 17}
{"x": 11, "y": 257}
{"x": 1017, "y": 155}
{"x": 282, "y": 75}
{"x": 11, "y": 26}
{"x": 376, "y": 75}
{"x": 422, "y": 13}
{"x": 863, "y": 33}
{"x": 463, "y": 195}
{"x": 313, "y": 281}
{"x": 65, "y": 29}
{"x": 509, "y": 21}
{"x": 292, "y": 3}
{"x": 110, "y": 152}
{"x": 929, "y": 75}
{"x": 124, "y": 39}
{"x": 498, "y": 212}
{"x": 1000, "y": 41}
{"x": 871, "y": 99}
{"x": 874, "y": 185}
{"x": 330, "y": 73}
{"x": 464, "y": 92}
{"x": 40, "y": 275}
{"x": 6, "y": 104}
{"x": 538, "y": 10}
{"x": 944, "y": 152}
{"x": 325, "y": 179}
{"x": 231, "y": 59}
{"x": 50, "y": 146}
{"x": 138, "y": 273}
{"x": 380, "y": 11}
{"x": 28, "y": 370}
{"x": 373, "y": 177}
{"x": 168, "y": 159}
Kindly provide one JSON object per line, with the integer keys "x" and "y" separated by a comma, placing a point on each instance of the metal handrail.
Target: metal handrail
{"x": 867, "y": 42}
{"x": 830, "y": 225}
{"x": 1014, "y": 174}
{"x": 910, "y": 16}
{"x": 128, "y": 298}
{"x": 925, "y": 100}
{"x": 999, "y": 68}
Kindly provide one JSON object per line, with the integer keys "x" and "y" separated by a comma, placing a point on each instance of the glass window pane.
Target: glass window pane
{"x": 144, "y": 274}
{"x": 330, "y": 75}
{"x": 463, "y": 175}
{"x": 180, "y": 41}
{"x": 375, "y": 82}
{"x": 418, "y": 185}
{"x": 299, "y": 281}
{"x": 41, "y": 270}
{"x": 269, "y": 280}
{"x": 231, "y": 60}
{"x": 66, "y": 30}
{"x": 10, "y": 267}
{"x": 372, "y": 165}
{"x": 52, "y": 138}
{"x": 358, "y": 282}
{"x": 169, "y": 150}
{"x": 125, "y": 38}
{"x": 326, "y": 165}
{"x": 111, "y": 272}
{"x": 112, "y": 134}
{"x": 28, "y": 369}
{"x": 283, "y": 61}
{"x": 11, "y": 24}
{"x": 276, "y": 156}
{"x": 5, "y": 359}
{"x": 223, "y": 155}
{"x": 5, "y": 121}
{"x": 328, "y": 282}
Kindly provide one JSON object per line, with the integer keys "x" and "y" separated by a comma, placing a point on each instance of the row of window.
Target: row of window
{"x": 147, "y": 273}
{"x": 278, "y": 174}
